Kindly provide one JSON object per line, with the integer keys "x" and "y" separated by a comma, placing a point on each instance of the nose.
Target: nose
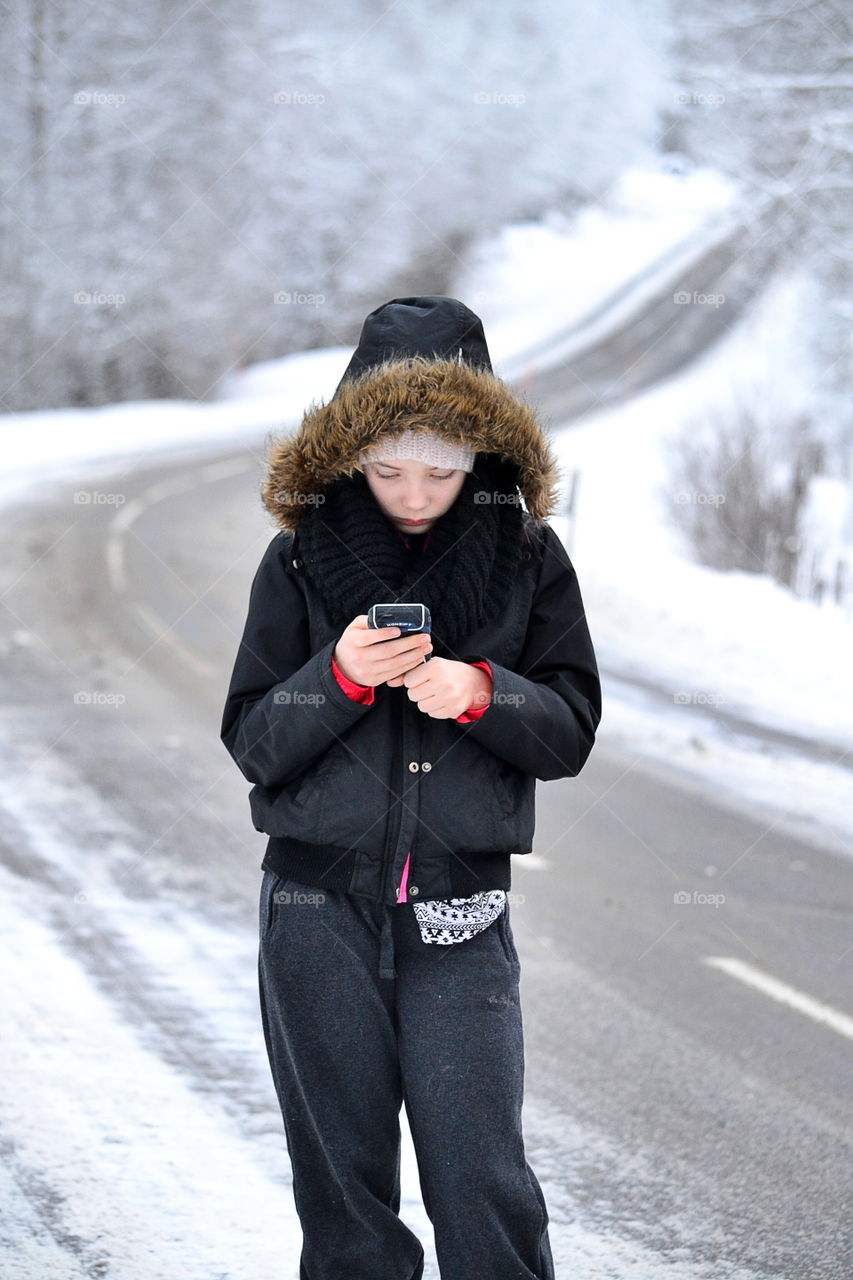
{"x": 415, "y": 503}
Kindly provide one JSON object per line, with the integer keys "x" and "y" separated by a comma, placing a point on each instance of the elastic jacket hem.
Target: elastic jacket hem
{"x": 330, "y": 867}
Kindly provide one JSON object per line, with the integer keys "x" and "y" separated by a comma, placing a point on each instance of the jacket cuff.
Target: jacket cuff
{"x": 358, "y": 692}
{"x": 475, "y": 712}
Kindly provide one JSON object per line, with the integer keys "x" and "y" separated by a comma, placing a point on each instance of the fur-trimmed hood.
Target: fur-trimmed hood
{"x": 460, "y": 402}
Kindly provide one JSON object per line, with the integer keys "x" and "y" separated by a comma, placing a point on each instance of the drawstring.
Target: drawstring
{"x": 386, "y": 944}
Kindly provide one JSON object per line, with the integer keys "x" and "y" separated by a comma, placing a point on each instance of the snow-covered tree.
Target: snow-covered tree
{"x": 766, "y": 93}
{"x": 189, "y": 189}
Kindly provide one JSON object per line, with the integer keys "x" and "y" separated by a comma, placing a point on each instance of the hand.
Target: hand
{"x": 370, "y": 655}
{"x": 444, "y": 688}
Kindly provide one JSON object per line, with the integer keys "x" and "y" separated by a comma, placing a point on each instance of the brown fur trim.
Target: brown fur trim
{"x": 460, "y": 403}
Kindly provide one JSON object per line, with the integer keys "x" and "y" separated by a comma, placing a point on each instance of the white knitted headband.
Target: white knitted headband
{"x": 424, "y": 446}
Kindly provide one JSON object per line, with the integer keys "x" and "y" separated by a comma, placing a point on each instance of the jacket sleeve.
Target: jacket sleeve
{"x": 366, "y": 692}
{"x": 474, "y": 713}
{"x": 284, "y": 706}
{"x": 543, "y": 716}
{"x": 359, "y": 692}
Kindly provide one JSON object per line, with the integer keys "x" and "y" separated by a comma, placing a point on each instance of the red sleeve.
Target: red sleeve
{"x": 358, "y": 692}
{"x": 474, "y": 713}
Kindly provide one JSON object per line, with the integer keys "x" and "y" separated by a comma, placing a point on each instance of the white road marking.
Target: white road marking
{"x": 155, "y": 626}
{"x": 777, "y": 990}
{"x": 228, "y": 467}
{"x": 121, "y": 523}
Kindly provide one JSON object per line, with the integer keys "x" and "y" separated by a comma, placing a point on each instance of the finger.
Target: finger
{"x": 378, "y": 635}
{"x": 414, "y": 678}
{"x": 359, "y": 623}
{"x": 397, "y": 649}
{"x": 439, "y": 710}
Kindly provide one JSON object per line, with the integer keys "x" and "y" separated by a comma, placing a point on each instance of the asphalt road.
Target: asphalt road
{"x": 691, "y": 1105}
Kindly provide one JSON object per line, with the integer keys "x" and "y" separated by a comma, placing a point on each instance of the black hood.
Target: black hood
{"x": 434, "y": 327}
{"x": 420, "y": 361}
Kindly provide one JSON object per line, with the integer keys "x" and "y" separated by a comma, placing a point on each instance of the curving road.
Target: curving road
{"x": 689, "y": 1109}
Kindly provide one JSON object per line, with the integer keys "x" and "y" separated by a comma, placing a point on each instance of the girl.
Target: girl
{"x": 394, "y": 775}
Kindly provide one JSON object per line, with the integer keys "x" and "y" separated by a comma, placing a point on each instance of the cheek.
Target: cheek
{"x": 377, "y": 488}
{"x": 453, "y": 489}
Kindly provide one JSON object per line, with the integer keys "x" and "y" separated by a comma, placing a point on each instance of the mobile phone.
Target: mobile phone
{"x": 408, "y": 617}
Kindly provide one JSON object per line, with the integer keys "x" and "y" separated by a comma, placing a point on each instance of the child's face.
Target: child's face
{"x": 408, "y": 490}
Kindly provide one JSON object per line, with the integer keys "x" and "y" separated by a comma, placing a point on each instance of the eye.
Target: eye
{"x": 391, "y": 475}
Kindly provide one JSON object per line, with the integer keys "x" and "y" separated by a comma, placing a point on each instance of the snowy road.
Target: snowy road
{"x": 683, "y": 1122}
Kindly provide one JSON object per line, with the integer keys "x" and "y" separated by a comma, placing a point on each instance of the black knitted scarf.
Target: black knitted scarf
{"x": 355, "y": 557}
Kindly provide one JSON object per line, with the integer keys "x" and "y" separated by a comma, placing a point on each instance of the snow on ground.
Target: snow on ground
{"x": 737, "y": 641}
{"x": 165, "y": 1155}
{"x": 140, "y": 1176}
{"x": 146, "y": 1177}
{"x": 58, "y": 445}
{"x": 535, "y": 279}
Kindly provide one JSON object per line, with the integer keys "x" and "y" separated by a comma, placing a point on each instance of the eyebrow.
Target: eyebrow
{"x": 390, "y": 466}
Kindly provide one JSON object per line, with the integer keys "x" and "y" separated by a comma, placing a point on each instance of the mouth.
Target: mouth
{"x": 413, "y": 522}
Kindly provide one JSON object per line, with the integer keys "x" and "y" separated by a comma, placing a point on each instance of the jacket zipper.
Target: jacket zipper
{"x": 391, "y": 842}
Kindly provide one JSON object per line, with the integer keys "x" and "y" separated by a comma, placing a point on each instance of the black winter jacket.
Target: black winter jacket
{"x": 346, "y": 790}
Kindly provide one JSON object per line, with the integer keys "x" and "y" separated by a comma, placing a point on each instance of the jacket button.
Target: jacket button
{"x": 413, "y": 766}
{"x": 297, "y": 564}
{"x": 413, "y": 890}
{"x": 426, "y": 766}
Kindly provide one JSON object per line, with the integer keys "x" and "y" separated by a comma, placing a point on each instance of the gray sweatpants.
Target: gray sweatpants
{"x": 347, "y": 1047}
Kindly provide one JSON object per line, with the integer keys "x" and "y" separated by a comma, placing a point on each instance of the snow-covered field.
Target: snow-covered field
{"x": 734, "y": 641}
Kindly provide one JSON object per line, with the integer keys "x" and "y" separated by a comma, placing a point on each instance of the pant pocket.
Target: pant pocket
{"x": 270, "y": 885}
{"x": 504, "y": 929}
